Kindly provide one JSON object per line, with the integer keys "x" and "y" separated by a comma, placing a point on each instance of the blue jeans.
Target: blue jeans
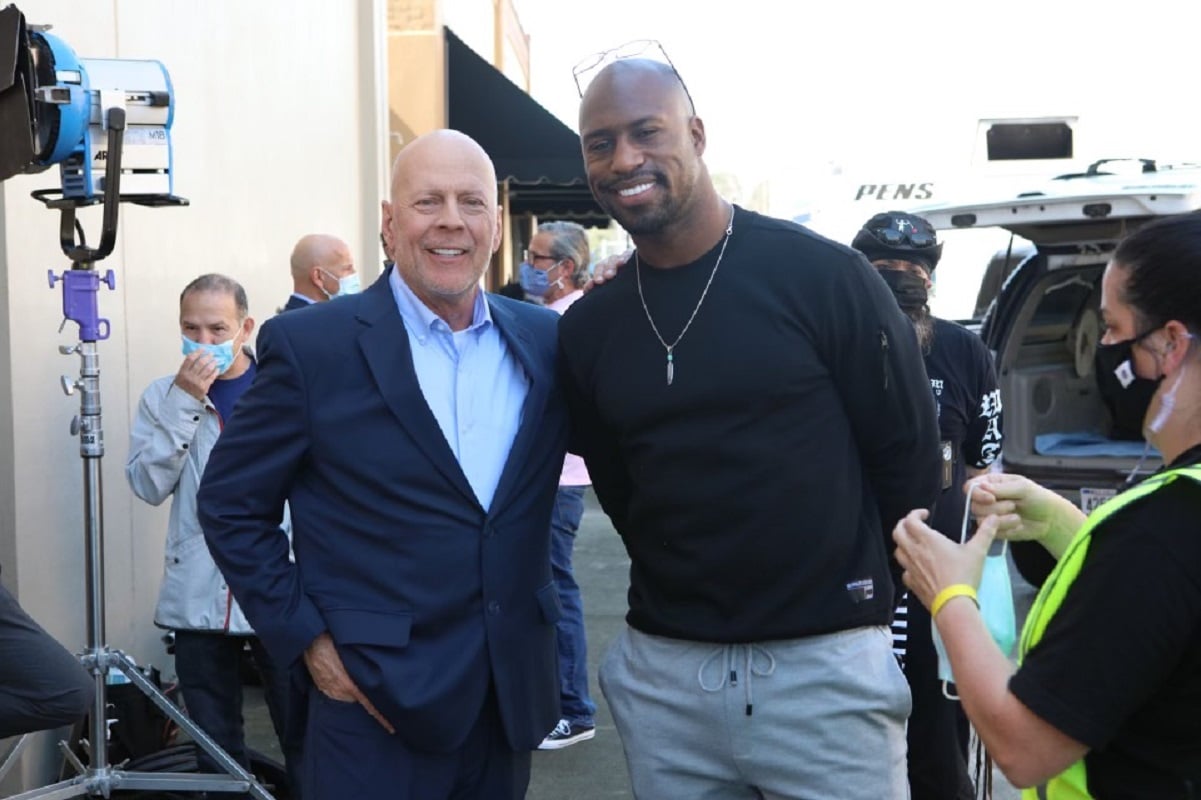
{"x": 208, "y": 666}
{"x": 578, "y": 707}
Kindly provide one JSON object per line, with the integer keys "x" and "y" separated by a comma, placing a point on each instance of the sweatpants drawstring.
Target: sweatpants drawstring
{"x": 760, "y": 663}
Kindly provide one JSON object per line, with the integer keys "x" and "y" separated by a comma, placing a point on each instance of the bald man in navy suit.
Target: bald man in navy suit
{"x": 417, "y": 434}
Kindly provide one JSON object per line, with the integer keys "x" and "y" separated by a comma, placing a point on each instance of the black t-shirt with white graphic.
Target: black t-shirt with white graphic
{"x": 964, "y": 383}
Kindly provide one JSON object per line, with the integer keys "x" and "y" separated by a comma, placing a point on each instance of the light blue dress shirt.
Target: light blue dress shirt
{"x": 473, "y": 384}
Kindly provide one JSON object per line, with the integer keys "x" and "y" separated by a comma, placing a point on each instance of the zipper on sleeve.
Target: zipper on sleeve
{"x": 884, "y": 356}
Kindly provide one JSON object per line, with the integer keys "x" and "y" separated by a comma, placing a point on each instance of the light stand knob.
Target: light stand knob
{"x": 68, "y": 349}
{"x": 75, "y": 424}
{"x": 69, "y": 385}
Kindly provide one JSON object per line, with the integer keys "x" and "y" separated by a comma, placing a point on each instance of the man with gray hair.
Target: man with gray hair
{"x": 553, "y": 272}
{"x": 554, "y": 267}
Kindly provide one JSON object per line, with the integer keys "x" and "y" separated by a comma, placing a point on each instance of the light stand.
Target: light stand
{"x": 80, "y": 285}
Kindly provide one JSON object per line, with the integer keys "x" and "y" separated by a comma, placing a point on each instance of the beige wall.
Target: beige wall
{"x": 416, "y": 71}
{"x": 513, "y": 45}
{"x": 417, "y": 100}
{"x": 280, "y": 130}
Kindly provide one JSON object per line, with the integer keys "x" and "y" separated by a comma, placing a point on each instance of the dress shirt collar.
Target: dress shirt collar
{"x": 421, "y": 320}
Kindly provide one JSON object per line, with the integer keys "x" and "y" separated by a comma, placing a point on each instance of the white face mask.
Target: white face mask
{"x": 1167, "y": 404}
{"x": 346, "y": 285}
{"x": 1167, "y": 401}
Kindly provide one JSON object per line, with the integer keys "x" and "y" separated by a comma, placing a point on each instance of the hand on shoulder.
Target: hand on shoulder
{"x": 606, "y": 269}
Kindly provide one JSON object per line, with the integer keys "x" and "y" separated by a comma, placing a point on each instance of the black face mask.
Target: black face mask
{"x": 908, "y": 288}
{"x": 1125, "y": 394}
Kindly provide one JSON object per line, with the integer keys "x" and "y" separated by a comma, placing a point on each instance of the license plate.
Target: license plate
{"x": 1091, "y": 498}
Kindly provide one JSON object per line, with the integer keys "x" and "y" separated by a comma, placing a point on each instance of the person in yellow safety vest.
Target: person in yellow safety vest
{"x": 1106, "y": 700}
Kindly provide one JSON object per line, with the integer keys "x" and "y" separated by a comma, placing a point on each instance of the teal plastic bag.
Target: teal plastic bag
{"x": 995, "y": 596}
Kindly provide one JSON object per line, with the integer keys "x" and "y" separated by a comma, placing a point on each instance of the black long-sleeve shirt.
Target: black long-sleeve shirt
{"x": 756, "y": 493}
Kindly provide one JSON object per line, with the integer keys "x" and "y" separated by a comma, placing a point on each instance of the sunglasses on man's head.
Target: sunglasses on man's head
{"x": 639, "y": 48}
{"x": 895, "y": 238}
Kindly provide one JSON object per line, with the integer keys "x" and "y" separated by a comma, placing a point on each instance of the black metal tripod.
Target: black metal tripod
{"x": 80, "y": 285}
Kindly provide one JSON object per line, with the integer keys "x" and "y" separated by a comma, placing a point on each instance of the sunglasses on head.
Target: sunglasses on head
{"x": 647, "y": 48}
{"x": 895, "y": 238}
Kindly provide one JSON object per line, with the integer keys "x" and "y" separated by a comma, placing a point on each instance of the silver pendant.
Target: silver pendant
{"x": 671, "y": 369}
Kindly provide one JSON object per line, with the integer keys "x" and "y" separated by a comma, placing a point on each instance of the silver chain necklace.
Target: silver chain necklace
{"x": 671, "y": 370}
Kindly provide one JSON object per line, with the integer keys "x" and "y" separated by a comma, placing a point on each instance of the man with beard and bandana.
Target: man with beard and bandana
{"x": 905, "y": 249}
{"x": 754, "y": 415}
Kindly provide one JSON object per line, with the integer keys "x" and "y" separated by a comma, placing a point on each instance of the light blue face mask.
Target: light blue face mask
{"x": 222, "y": 353}
{"x": 536, "y": 282}
{"x": 995, "y": 596}
{"x": 346, "y": 285}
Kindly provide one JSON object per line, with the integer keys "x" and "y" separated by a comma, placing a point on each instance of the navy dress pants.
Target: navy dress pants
{"x": 348, "y": 754}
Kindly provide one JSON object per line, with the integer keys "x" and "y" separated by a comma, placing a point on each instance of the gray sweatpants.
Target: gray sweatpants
{"x": 809, "y": 719}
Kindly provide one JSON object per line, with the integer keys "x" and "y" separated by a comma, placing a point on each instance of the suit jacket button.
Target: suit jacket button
{"x": 493, "y": 607}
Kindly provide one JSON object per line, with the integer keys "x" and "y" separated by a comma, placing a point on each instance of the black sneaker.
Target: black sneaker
{"x": 566, "y": 734}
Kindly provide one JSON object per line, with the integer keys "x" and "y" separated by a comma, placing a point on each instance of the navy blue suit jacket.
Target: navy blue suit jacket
{"x": 294, "y": 303}
{"x": 427, "y": 595}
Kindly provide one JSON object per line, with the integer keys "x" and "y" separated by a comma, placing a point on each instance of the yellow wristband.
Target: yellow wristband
{"x": 954, "y": 590}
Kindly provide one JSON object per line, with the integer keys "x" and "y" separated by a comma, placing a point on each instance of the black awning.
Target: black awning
{"x": 533, "y": 149}
{"x": 557, "y": 201}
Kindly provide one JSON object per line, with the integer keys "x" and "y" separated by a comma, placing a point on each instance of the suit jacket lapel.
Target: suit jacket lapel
{"x": 385, "y": 344}
{"x": 517, "y": 339}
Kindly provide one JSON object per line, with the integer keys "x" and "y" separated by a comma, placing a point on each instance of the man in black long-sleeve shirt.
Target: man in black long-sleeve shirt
{"x": 755, "y": 416}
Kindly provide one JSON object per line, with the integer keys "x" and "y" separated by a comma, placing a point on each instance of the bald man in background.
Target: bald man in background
{"x": 322, "y": 269}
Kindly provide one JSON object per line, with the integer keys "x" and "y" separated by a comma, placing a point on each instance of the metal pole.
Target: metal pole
{"x": 91, "y": 448}
{"x": 81, "y": 285}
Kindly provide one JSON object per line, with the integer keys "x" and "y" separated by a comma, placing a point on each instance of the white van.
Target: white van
{"x": 1043, "y": 324}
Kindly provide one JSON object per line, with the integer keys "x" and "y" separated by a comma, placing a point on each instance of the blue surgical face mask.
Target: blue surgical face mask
{"x": 995, "y": 596}
{"x": 346, "y": 285}
{"x": 536, "y": 282}
{"x": 222, "y": 353}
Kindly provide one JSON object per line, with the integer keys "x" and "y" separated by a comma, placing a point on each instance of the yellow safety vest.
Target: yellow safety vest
{"x": 1072, "y": 783}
